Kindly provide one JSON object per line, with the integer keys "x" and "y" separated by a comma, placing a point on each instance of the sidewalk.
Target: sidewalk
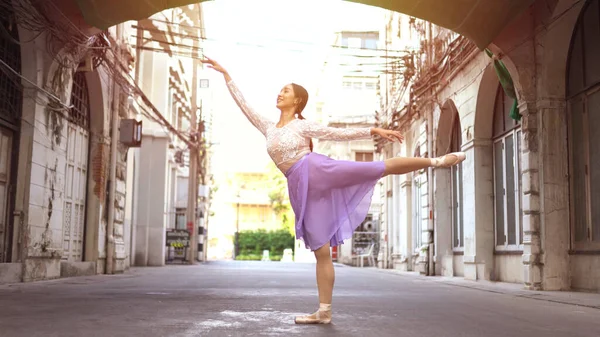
{"x": 583, "y": 299}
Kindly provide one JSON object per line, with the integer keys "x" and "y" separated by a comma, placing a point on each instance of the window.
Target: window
{"x": 363, "y": 156}
{"x": 457, "y": 190}
{"x": 79, "y": 113}
{"x": 370, "y": 43}
{"x": 360, "y": 40}
{"x": 264, "y": 213}
{"x": 508, "y": 213}
{"x": 354, "y": 42}
{"x": 10, "y": 53}
{"x": 180, "y": 222}
{"x": 583, "y": 90}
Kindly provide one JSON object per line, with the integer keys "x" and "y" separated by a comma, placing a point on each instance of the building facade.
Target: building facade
{"x": 72, "y": 187}
{"x": 347, "y": 98}
{"x": 62, "y": 196}
{"x": 520, "y": 208}
{"x": 169, "y": 73}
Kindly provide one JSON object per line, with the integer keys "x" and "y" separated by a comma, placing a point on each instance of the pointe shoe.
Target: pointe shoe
{"x": 319, "y": 317}
{"x": 449, "y": 160}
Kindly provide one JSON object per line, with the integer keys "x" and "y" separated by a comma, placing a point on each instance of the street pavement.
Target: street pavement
{"x": 261, "y": 299}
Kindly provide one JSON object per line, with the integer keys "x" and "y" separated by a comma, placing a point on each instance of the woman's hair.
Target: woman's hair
{"x": 302, "y": 94}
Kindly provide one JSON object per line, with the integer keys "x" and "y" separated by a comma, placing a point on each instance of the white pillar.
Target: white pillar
{"x": 477, "y": 203}
{"x": 152, "y": 197}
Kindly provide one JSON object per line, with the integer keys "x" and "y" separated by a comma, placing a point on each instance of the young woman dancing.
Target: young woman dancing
{"x": 330, "y": 198}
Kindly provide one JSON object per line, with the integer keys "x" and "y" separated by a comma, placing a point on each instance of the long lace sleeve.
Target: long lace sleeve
{"x": 315, "y": 130}
{"x": 260, "y": 122}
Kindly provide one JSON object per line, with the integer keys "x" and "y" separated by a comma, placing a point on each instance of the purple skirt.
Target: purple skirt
{"x": 330, "y": 198}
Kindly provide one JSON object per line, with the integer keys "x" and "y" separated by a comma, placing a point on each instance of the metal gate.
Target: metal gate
{"x": 76, "y": 171}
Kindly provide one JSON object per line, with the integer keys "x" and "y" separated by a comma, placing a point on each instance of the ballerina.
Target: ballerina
{"x": 330, "y": 198}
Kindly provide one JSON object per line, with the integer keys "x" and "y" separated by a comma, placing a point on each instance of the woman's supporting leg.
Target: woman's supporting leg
{"x": 403, "y": 165}
{"x": 325, "y": 274}
{"x": 325, "y": 281}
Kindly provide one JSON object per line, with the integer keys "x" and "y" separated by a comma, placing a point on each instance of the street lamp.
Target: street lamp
{"x": 236, "y": 249}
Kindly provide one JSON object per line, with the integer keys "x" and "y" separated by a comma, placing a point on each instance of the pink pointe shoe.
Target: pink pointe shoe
{"x": 322, "y": 316}
{"x": 449, "y": 159}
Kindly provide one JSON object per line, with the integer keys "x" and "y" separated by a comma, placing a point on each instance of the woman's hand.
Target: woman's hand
{"x": 216, "y": 66}
{"x": 388, "y": 134}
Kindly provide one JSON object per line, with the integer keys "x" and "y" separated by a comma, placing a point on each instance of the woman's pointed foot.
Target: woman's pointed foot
{"x": 448, "y": 160}
{"x": 322, "y": 316}
{"x": 319, "y": 317}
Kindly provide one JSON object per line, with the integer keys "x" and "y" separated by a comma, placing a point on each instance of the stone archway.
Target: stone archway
{"x": 99, "y": 149}
{"x": 484, "y": 109}
{"x": 67, "y": 136}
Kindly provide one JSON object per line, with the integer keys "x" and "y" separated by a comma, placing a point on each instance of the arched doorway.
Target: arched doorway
{"x": 76, "y": 170}
{"x": 583, "y": 100}
{"x": 448, "y": 194}
{"x": 11, "y": 100}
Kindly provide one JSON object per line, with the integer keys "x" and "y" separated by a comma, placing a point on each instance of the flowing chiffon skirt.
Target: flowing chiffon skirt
{"x": 330, "y": 198}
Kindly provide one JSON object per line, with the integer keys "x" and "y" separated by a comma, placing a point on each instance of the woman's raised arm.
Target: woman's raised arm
{"x": 260, "y": 122}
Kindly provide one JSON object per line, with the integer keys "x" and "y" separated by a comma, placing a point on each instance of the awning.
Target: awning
{"x": 478, "y": 20}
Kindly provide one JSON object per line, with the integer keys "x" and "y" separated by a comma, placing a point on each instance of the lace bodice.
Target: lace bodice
{"x": 288, "y": 144}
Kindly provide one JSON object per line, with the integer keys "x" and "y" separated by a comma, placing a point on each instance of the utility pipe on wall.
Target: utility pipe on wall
{"x": 110, "y": 237}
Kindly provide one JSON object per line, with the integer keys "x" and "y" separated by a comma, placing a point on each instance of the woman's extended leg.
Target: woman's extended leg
{"x": 403, "y": 165}
{"x": 325, "y": 281}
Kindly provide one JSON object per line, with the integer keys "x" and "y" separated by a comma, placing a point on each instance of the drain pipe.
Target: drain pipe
{"x": 110, "y": 237}
{"x": 430, "y": 267}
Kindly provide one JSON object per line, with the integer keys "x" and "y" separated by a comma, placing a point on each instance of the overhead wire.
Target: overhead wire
{"x": 76, "y": 43}
{"x": 280, "y": 40}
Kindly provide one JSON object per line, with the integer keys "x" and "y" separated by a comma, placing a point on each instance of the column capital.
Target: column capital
{"x": 551, "y": 103}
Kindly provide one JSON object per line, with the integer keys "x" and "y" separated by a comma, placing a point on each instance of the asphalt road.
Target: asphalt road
{"x": 261, "y": 299}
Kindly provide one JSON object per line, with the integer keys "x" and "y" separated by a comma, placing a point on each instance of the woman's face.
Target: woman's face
{"x": 286, "y": 97}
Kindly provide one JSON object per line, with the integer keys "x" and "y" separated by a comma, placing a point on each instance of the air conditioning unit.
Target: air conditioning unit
{"x": 130, "y": 133}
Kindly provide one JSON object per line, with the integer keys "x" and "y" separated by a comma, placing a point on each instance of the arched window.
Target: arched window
{"x": 76, "y": 170}
{"x": 457, "y": 190}
{"x": 80, "y": 100}
{"x": 507, "y": 178}
{"x": 583, "y": 92}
